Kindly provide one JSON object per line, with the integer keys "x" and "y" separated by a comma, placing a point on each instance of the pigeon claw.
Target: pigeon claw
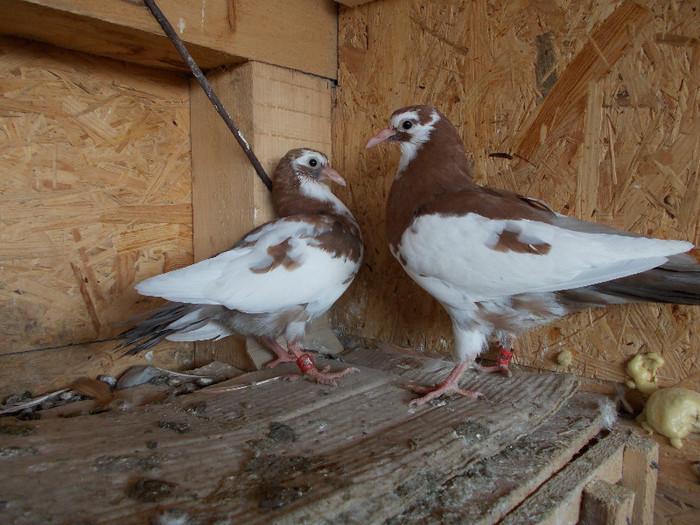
{"x": 489, "y": 369}
{"x": 504, "y": 359}
{"x": 325, "y": 377}
{"x": 313, "y": 374}
{"x": 444, "y": 389}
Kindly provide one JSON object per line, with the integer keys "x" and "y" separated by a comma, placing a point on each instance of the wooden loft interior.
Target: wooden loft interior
{"x": 115, "y": 167}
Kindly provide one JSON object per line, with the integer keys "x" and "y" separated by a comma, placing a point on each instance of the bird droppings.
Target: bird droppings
{"x": 274, "y": 481}
{"x": 172, "y": 517}
{"x": 471, "y": 431}
{"x": 273, "y": 467}
{"x": 320, "y": 424}
{"x": 275, "y": 496}
{"x": 8, "y": 452}
{"x": 180, "y": 428}
{"x": 151, "y": 490}
{"x": 424, "y": 481}
{"x": 198, "y": 408}
{"x": 123, "y": 464}
{"x": 15, "y": 430}
{"x": 281, "y": 433}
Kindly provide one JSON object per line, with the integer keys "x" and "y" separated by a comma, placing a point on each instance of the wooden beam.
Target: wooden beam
{"x": 558, "y": 500}
{"x": 606, "y": 504}
{"x": 299, "y": 34}
{"x": 276, "y": 109}
{"x": 640, "y": 470}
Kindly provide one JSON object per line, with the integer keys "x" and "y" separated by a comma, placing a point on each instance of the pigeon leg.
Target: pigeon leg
{"x": 309, "y": 370}
{"x": 282, "y": 355}
{"x": 505, "y": 351}
{"x": 449, "y": 386}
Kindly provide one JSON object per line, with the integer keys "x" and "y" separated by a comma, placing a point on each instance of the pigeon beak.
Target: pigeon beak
{"x": 380, "y": 137}
{"x": 329, "y": 173}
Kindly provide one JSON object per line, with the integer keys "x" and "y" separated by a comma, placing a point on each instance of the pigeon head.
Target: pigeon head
{"x": 298, "y": 186}
{"x": 312, "y": 166}
{"x": 410, "y": 128}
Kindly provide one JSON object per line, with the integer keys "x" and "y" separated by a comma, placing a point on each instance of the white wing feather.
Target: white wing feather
{"x": 228, "y": 279}
{"x": 451, "y": 257}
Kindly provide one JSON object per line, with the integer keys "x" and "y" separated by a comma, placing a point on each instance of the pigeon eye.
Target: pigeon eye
{"x": 313, "y": 163}
{"x": 407, "y": 124}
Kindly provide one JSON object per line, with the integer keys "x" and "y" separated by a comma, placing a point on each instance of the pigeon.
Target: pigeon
{"x": 501, "y": 263}
{"x": 274, "y": 280}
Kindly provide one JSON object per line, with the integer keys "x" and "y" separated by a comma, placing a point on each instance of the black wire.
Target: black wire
{"x": 206, "y": 86}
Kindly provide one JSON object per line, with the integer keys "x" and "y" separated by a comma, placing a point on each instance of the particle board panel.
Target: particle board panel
{"x": 277, "y": 109}
{"x": 298, "y": 34}
{"x": 619, "y": 118}
{"x": 95, "y": 195}
{"x": 258, "y": 449}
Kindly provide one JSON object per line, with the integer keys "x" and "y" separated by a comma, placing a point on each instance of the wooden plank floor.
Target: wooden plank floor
{"x": 257, "y": 449}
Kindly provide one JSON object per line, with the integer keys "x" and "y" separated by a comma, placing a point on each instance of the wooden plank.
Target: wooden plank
{"x": 639, "y": 473}
{"x": 299, "y": 34}
{"x": 558, "y": 501}
{"x": 606, "y": 504}
{"x": 266, "y": 451}
{"x": 277, "y": 110}
{"x": 494, "y": 486}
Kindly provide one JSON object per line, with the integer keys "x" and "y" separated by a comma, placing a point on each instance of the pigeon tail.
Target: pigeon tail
{"x": 676, "y": 281}
{"x": 173, "y": 321}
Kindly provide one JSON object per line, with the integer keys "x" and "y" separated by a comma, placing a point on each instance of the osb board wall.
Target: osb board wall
{"x": 624, "y": 150}
{"x": 95, "y": 196}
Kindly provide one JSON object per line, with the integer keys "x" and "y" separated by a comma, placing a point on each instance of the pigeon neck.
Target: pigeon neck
{"x": 304, "y": 197}
{"x": 439, "y": 167}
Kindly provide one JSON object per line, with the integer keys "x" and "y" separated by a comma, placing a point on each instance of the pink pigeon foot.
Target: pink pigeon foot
{"x": 313, "y": 374}
{"x": 503, "y": 361}
{"x": 449, "y": 386}
{"x": 282, "y": 355}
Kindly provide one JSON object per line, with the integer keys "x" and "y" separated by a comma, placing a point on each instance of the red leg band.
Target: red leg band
{"x": 305, "y": 363}
{"x": 504, "y": 357}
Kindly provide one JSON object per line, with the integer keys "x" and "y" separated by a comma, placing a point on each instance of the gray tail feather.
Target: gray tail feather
{"x": 676, "y": 281}
{"x": 152, "y": 327}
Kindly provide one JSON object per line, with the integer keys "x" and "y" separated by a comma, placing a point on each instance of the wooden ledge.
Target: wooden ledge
{"x": 298, "y": 34}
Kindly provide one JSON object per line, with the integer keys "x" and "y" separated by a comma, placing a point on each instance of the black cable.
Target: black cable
{"x": 206, "y": 86}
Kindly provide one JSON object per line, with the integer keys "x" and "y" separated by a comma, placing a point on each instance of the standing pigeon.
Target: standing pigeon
{"x": 501, "y": 263}
{"x": 274, "y": 281}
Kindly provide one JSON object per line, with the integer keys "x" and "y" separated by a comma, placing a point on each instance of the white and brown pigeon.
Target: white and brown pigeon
{"x": 501, "y": 263}
{"x": 274, "y": 281}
